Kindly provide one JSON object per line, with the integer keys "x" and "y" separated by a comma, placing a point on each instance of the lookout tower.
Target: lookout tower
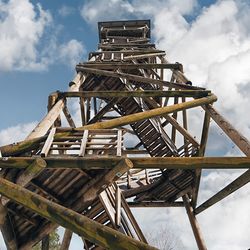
{"x": 132, "y": 144}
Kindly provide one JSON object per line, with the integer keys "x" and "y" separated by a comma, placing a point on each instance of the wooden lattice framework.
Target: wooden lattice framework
{"x": 134, "y": 148}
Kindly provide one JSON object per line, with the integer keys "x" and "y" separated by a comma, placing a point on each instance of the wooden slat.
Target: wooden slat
{"x": 48, "y": 143}
{"x": 84, "y": 143}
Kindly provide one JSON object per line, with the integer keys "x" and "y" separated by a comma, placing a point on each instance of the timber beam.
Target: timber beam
{"x": 136, "y": 78}
{"x": 155, "y": 204}
{"x": 132, "y": 66}
{"x": 87, "y": 163}
{"x": 194, "y": 224}
{"x": 138, "y": 93}
{"x": 95, "y": 232}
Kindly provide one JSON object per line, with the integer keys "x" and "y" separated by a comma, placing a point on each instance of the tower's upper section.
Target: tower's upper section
{"x": 120, "y": 32}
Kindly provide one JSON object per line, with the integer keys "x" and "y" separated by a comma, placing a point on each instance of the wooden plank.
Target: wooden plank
{"x": 119, "y": 143}
{"x": 110, "y": 210}
{"x": 84, "y": 143}
{"x": 194, "y": 224}
{"x": 117, "y": 206}
{"x": 138, "y": 93}
{"x": 79, "y": 224}
{"x": 48, "y": 143}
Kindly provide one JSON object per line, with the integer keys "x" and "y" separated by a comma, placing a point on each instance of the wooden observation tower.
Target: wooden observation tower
{"x": 136, "y": 146}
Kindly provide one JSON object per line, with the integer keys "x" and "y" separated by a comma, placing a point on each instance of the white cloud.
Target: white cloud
{"x": 29, "y": 38}
{"x": 16, "y": 133}
{"x": 21, "y": 26}
{"x": 71, "y": 53}
{"x": 96, "y": 10}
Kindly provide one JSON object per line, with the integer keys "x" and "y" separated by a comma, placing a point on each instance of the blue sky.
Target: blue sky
{"x": 41, "y": 41}
{"x": 21, "y": 88}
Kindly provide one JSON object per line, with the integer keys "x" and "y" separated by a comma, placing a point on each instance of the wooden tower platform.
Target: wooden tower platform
{"x": 132, "y": 143}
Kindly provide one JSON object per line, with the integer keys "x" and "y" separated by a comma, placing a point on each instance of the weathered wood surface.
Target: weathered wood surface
{"x": 131, "y": 66}
{"x": 135, "y": 78}
{"x": 138, "y": 162}
{"x": 89, "y": 229}
{"x": 138, "y": 93}
{"x": 36, "y": 166}
{"x": 66, "y": 239}
{"x": 194, "y": 224}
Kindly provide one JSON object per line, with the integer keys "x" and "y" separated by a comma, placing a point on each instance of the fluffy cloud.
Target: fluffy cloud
{"x": 96, "y": 10}
{"x": 71, "y": 52}
{"x": 21, "y": 26}
{"x": 23, "y": 29}
{"x": 16, "y": 133}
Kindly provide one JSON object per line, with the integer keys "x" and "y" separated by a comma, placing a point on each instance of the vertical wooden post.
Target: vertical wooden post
{"x": 66, "y": 239}
{"x": 201, "y": 152}
{"x": 194, "y": 223}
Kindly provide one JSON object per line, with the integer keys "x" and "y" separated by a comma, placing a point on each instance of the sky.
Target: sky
{"x": 41, "y": 41}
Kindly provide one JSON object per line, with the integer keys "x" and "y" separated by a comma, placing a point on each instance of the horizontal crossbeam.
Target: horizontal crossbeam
{"x": 132, "y": 66}
{"x": 146, "y": 93}
{"x": 140, "y": 163}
